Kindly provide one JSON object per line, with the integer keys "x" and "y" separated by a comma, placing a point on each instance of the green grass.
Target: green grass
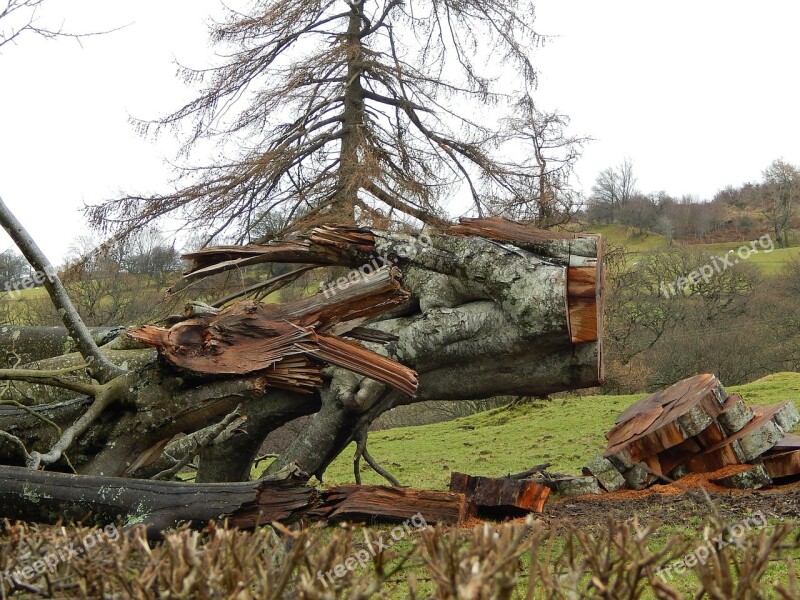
{"x": 770, "y": 263}
{"x": 633, "y": 239}
{"x": 636, "y": 241}
{"x": 565, "y": 432}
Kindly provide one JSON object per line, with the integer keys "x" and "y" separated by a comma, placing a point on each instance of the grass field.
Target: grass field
{"x": 770, "y": 263}
{"x": 565, "y": 432}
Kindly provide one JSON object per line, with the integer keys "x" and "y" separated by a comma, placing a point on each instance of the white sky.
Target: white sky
{"x": 698, "y": 94}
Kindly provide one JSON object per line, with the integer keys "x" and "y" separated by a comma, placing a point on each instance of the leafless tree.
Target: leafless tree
{"x": 614, "y": 187}
{"x": 342, "y": 110}
{"x": 545, "y": 194}
{"x": 781, "y": 196}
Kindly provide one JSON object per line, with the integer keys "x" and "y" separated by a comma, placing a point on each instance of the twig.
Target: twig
{"x": 102, "y": 369}
{"x": 233, "y": 418}
{"x": 267, "y": 287}
{"x": 42, "y": 418}
{"x": 17, "y": 442}
{"x": 264, "y": 457}
{"x": 361, "y": 446}
{"x": 535, "y": 470}
{"x": 105, "y": 395}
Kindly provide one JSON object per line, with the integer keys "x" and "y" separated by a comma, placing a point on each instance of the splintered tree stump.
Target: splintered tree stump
{"x": 501, "y": 496}
{"x": 365, "y": 503}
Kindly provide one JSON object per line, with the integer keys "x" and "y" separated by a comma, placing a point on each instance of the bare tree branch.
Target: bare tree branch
{"x": 103, "y": 369}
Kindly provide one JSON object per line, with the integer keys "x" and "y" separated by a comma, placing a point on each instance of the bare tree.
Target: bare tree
{"x": 781, "y": 195}
{"x": 341, "y": 110}
{"x": 13, "y": 267}
{"x": 545, "y": 194}
{"x": 614, "y": 187}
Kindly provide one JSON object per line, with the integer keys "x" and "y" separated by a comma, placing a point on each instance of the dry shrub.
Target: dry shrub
{"x": 528, "y": 560}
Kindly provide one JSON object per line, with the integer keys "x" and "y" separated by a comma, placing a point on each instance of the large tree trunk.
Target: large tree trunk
{"x": 486, "y": 308}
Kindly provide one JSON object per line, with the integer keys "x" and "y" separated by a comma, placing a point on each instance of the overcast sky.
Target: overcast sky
{"x": 698, "y": 95}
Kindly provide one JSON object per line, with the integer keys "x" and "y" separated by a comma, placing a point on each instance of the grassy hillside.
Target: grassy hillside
{"x": 634, "y": 240}
{"x": 770, "y": 263}
{"x": 565, "y": 432}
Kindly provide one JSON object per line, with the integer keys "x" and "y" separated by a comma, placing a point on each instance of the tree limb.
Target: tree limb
{"x": 99, "y": 365}
{"x": 51, "y": 378}
{"x": 200, "y": 442}
{"x": 106, "y": 395}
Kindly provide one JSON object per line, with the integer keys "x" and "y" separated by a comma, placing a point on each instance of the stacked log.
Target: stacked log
{"x": 695, "y": 426}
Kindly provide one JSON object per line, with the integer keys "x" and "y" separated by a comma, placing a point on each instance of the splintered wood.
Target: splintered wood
{"x": 393, "y": 504}
{"x": 695, "y": 426}
{"x": 286, "y": 345}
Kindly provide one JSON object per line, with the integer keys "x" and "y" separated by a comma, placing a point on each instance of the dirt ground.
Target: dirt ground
{"x": 656, "y": 506}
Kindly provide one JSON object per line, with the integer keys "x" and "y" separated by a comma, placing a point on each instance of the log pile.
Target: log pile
{"x": 695, "y": 426}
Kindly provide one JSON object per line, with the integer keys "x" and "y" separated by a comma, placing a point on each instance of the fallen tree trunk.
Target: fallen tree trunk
{"x": 45, "y": 497}
{"x": 489, "y": 307}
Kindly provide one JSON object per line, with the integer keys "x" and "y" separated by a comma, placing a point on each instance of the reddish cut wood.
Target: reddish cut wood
{"x": 665, "y": 419}
{"x": 783, "y": 464}
{"x": 500, "y": 494}
{"x": 393, "y": 504}
{"x": 789, "y": 442}
{"x": 747, "y": 444}
{"x": 285, "y": 343}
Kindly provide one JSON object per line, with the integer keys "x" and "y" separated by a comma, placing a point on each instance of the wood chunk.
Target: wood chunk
{"x": 366, "y": 503}
{"x": 753, "y": 478}
{"x": 735, "y": 415}
{"x": 639, "y": 477}
{"x": 578, "y": 486}
{"x": 665, "y": 419}
{"x": 749, "y": 443}
{"x": 789, "y": 442}
{"x": 609, "y": 478}
{"x": 673, "y": 457}
{"x": 783, "y": 464}
{"x": 500, "y": 495}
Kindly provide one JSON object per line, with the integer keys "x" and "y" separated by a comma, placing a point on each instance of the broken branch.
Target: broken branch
{"x": 99, "y": 365}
